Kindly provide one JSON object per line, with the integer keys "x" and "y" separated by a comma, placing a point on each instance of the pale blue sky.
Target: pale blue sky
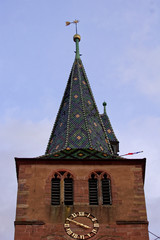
{"x": 120, "y": 49}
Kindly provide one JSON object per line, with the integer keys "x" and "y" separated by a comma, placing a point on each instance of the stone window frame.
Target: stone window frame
{"x": 62, "y": 175}
{"x": 99, "y": 175}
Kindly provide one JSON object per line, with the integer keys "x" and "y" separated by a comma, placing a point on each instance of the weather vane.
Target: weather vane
{"x": 75, "y": 22}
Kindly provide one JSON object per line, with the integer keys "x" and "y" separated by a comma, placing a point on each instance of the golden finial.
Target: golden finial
{"x": 76, "y": 37}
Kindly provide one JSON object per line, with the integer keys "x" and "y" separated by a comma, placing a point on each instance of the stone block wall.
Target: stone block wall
{"x": 36, "y": 219}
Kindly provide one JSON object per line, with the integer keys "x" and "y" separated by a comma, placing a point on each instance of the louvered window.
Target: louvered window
{"x": 55, "y": 191}
{"x": 68, "y": 190}
{"x": 106, "y": 190}
{"x": 93, "y": 191}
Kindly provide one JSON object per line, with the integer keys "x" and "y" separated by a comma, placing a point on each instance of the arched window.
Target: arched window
{"x": 55, "y": 190}
{"x": 106, "y": 190}
{"x": 99, "y": 189}
{"x": 93, "y": 190}
{"x": 62, "y": 188}
{"x": 68, "y": 190}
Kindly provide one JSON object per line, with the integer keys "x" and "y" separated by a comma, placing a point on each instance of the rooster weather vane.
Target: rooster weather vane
{"x": 74, "y": 22}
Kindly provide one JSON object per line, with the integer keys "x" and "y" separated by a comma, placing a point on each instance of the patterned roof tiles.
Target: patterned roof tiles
{"x": 78, "y": 123}
{"x": 82, "y": 154}
{"x": 108, "y": 126}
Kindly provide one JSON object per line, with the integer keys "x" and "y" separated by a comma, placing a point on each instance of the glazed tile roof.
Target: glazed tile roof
{"x": 108, "y": 127}
{"x": 82, "y": 154}
{"x": 78, "y": 124}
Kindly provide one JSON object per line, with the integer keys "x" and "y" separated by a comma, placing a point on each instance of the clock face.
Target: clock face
{"x": 81, "y": 225}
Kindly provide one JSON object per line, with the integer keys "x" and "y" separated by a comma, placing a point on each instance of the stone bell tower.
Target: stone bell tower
{"x": 81, "y": 188}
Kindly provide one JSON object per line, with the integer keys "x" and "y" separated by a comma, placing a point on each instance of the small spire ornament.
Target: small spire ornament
{"x": 75, "y": 22}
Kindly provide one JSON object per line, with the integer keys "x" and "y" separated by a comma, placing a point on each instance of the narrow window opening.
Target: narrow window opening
{"x": 93, "y": 190}
{"x": 68, "y": 190}
{"x": 55, "y": 191}
{"x": 106, "y": 190}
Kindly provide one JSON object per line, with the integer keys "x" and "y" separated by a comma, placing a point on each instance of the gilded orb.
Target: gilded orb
{"x": 77, "y": 36}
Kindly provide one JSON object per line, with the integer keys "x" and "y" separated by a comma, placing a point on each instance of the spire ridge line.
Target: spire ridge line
{"x": 98, "y": 112}
{"x": 83, "y": 107}
{"x": 71, "y": 72}
{"x": 69, "y": 109}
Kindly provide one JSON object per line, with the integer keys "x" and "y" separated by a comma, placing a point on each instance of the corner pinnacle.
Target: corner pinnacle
{"x": 104, "y": 104}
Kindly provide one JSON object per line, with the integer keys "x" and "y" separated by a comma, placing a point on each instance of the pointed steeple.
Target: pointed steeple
{"x": 111, "y": 135}
{"x": 78, "y": 124}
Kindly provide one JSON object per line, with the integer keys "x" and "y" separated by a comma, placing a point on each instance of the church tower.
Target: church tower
{"x": 81, "y": 188}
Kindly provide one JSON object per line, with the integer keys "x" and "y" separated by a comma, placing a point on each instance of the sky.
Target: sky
{"x": 120, "y": 47}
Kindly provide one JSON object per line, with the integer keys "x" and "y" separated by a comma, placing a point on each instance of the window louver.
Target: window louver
{"x": 55, "y": 191}
{"x": 68, "y": 191}
{"x": 106, "y": 191}
{"x": 93, "y": 192}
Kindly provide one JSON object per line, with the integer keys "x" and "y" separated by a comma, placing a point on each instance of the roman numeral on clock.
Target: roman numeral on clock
{"x": 81, "y": 237}
{"x": 69, "y": 231}
{"x": 94, "y": 231}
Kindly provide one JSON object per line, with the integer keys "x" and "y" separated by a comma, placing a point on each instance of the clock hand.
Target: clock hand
{"x": 77, "y": 223}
